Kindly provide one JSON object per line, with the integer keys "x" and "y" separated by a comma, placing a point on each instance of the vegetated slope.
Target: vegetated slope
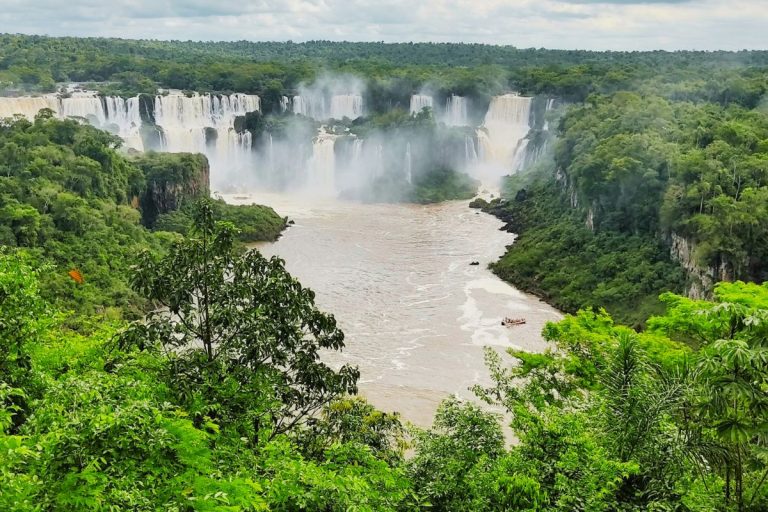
{"x": 638, "y": 185}
{"x": 73, "y": 200}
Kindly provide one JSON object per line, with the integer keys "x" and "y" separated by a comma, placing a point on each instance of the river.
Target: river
{"x": 398, "y": 279}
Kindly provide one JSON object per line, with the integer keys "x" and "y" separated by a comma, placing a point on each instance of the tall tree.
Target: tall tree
{"x": 241, "y": 334}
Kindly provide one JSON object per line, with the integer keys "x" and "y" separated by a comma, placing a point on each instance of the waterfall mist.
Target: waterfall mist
{"x": 330, "y": 97}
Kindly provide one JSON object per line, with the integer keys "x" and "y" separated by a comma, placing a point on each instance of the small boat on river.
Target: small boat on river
{"x": 511, "y": 322}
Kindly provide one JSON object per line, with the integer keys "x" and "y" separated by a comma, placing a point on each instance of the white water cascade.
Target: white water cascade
{"x": 321, "y": 179}
{"x": 419, "y": 102}
{"x": 185, "y": 120}
{"x": 502, "y": 137}
{"x": 346, "y": 105}
{"x": 27, "y": 106}
{"x": 125, "y": 115}
{"x": 339, "y": 107}
{"x": 408, "y": 164}
{"x": 550, "y": 106}
{"x": 470, "y": 151}
{"x": 456, "y": 111}
{"x": 357, "y": 159}
{"x": 84, "y": 105}
{"x": 111, "y": 113}
{"x": 284, "y": 103}
{"x": 310, "y": 106}
{"x": 206, "y": 124}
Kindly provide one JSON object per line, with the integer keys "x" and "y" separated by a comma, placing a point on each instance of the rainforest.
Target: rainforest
{"x": 246, "y": 276}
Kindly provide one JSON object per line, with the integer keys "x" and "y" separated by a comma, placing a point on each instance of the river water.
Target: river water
{"x": 398, "y": 279}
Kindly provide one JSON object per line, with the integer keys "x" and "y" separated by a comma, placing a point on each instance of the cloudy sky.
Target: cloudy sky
{"x": 588, "y": 24}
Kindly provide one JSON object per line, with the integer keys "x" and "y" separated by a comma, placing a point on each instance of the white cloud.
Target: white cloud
{"x": 588, "y": 24}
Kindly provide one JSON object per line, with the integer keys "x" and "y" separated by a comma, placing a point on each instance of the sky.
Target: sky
{"x": 569, "y": 24}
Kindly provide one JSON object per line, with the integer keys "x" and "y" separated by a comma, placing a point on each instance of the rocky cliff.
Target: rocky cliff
{"x": 172, "y": 179}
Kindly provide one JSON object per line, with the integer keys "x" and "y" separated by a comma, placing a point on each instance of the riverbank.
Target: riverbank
{"x": 559, "y": 259}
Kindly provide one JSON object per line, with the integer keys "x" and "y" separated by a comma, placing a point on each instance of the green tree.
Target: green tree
{"x": 238, "y": 328}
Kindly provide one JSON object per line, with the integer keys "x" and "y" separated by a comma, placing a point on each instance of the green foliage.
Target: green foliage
{"x": 22, "y": 316}
{"x": 257, "y": 329}
{"x": 560, "y": 259}
{"x": 643, "y": 164}
{"x": 172, "y": 181}
{"x": 354, "y": 420}
{"x": 443, "y": 185}
{"x": 98, "y": 425}
{"x": 610, "y": 419}
{"x": 464, "y": 440}
{"x": 69, "y": 196}
{"x": 255, "y": 223}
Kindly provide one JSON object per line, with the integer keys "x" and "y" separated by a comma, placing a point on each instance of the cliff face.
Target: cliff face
{"x": 682, "y": 250}
{"x": 704, "y": 277}
{"x": 172, "y": 179}
{"x": 701, "y": 278}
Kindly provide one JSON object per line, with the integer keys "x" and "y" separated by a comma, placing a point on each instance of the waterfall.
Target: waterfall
{"x": 346, "y": 105}
{"x": 187, "y": 121}
{"x": 322, "y": 165}
{"x": 470, "y": 152}
{"x": 88, "y": 107}
{"x": 503, "y": 135}
{"x": 455, "y": 111}
{"x": 341, "y": 106}
{"x": 408, "y": 164}
{"x": 356, "y": 160}
{"x": 124, "y": 115}
{"x": 357, "y": 151}
{"x": 300, "y": 106}
{"x": 111, "y": 113}
{"x": 284, "y": 103}
{"x": 310, "y": 106}
{"x": 206, "y": 124}
{"x": 378, "y": 167}
{"x": 550, "y": 106}
{"x": 271, "y": 154}
{"x": 420, "y": 102}
{"x": 27, "y": 106}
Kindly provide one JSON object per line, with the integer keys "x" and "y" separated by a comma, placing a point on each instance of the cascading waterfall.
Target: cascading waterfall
{"x": 357, "y": 159}
{"x": 206, "y": 124}
{"x": 502, "y": 137}
{"x": 271, "y": 153}
{"x": 27, "y": 106}
{"x": 346, "y": 105}
{"x": 322, "y": 165}
{"x": 419, "y": 102}
{"x": 124, "y": 114}
{"x": 86, "y": 106}
{"x": 408, "y": 163}
{"x": 357, "y": 151}
{"x": 455, "y": 111}
{"x": 378, "y": 167}
{"x": 550, "y": 106}
{"x": 341, "y": 106}
{"x": 470, "y": 152}
{"x": 311, "y": 106}
{"x": 112, "y": 113}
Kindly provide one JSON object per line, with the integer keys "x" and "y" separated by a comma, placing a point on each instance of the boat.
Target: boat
{"x": 511, "y": 322}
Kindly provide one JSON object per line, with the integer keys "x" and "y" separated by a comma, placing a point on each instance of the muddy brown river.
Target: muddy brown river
{"x": 398, "y": 279}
